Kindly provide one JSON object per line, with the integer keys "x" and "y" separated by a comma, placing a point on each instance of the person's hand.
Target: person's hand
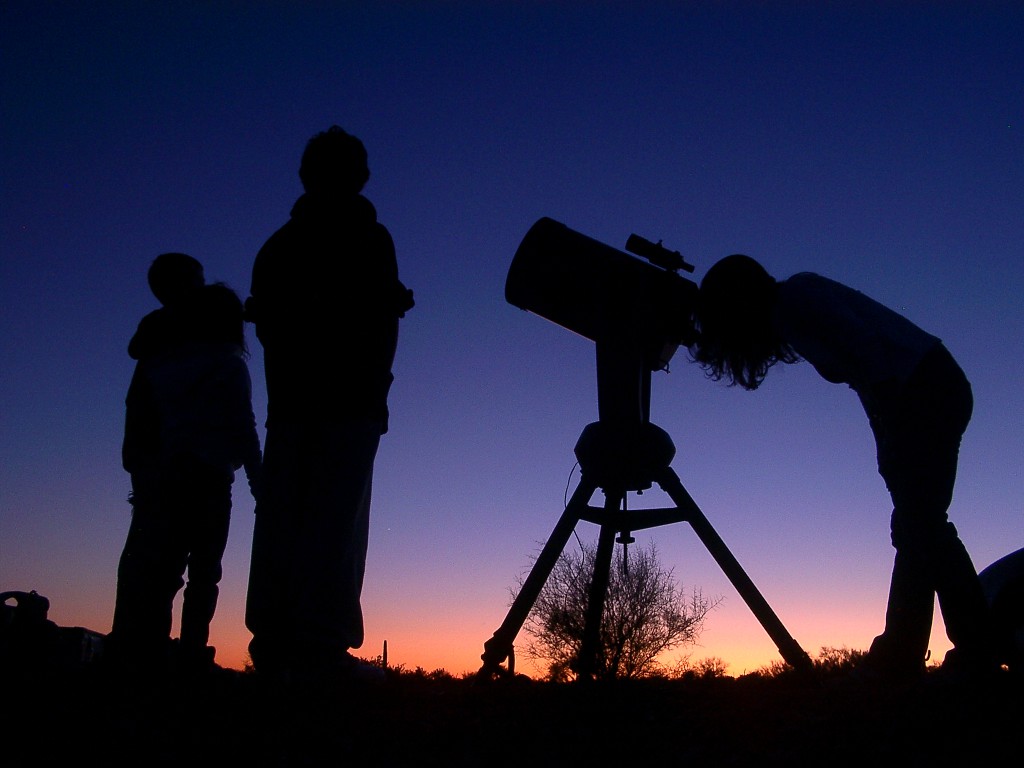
{"x": 254, "y": 474}
{"x": 403, "y": 300}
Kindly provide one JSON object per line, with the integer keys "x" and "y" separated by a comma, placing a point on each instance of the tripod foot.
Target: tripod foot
{"x": 489, "y": 674}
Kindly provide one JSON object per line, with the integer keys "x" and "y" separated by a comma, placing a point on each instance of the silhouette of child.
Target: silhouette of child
{"x": 918, "y": 403}
{"x": 193, "y": 385}
{"x": 176, "y": 280}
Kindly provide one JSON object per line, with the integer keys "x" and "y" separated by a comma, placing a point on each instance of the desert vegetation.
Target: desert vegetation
{"x": 416, "y": 717}
{"x": 645, "y": 616}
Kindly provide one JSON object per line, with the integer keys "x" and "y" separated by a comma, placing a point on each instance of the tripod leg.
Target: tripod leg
{"x": 788, "y": 647}
{"x": 590, "y": 645}
{"x": 499, "y": 647}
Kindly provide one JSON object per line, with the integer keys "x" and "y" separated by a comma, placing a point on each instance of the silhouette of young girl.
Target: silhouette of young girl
{"x": 918, "y": 402}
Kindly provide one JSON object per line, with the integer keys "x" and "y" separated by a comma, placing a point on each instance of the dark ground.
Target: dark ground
{"x": 84, "y": 718}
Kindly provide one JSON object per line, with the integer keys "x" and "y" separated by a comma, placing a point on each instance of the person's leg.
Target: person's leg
{"x": 148, "y": 578}
{"x": 918, "y": 452}
{"x": 902, "y": 647}
{"x": 207, "y": 494}
{"x": 268, "y": 607}
{"x": 333, "y": 538}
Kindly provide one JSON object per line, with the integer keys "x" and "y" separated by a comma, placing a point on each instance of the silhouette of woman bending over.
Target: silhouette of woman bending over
{"x": 918, "y": 402}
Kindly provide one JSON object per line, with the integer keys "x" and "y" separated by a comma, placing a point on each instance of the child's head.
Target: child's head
{"x": 174, "y": 276}
{"x": 334, "y": 162}
{"x": 222, "y": 315}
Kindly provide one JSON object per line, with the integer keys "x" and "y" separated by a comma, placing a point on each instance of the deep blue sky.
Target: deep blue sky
{"x": 879, "y": 144}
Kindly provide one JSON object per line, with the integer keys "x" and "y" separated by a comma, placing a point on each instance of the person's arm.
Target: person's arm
{"x": 399, "y": 298}
{"x": 232, "y": 400}
{"x": 148, "y": 338}
{"x": 252, "y": 454}
{"x": 141, "y": 424}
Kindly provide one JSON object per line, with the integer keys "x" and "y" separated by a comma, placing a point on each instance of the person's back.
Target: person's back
{"x": 202, "y": 390}
{"x": 325, "y": 296}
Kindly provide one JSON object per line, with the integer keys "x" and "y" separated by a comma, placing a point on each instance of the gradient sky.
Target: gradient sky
{"x": 876, "y": 143}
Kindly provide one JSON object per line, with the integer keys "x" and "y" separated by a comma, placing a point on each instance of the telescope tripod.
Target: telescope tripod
{"x": 618, "y": 457}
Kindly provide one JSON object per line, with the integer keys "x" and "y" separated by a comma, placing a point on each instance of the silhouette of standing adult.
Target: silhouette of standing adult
{"x": 326, "y": 301}
{"x": 918, "y": 402}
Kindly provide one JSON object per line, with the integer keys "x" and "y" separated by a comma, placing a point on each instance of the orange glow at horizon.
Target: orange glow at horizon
{"x": 743, "y": 648}
{"x": 451, "y": 637}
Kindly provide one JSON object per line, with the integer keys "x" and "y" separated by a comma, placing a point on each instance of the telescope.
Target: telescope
{"x": 637, "y": 311}
{"x": 604, "y": 294}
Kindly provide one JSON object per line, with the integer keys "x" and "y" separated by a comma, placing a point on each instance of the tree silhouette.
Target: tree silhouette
{"x": 644, "y": 615}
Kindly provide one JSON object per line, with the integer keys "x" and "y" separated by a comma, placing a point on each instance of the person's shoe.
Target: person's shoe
{"x": 338, "y": 669}
{"x": 196, "y": 661}
{"x": 961, "y": 667}
{"x": 889, "y": 663}
{"x": 362, "y": 671}
{"x": 878, "y": 668}
{"x": 272, "y": 674}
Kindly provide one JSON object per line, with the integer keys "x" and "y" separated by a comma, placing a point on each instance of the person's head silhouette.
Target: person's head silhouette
{"x": 736, "y": 339}
{"x": 222, "y": 315}
{"x": 334, "y": 162}
{"x": 175, "y": 276}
